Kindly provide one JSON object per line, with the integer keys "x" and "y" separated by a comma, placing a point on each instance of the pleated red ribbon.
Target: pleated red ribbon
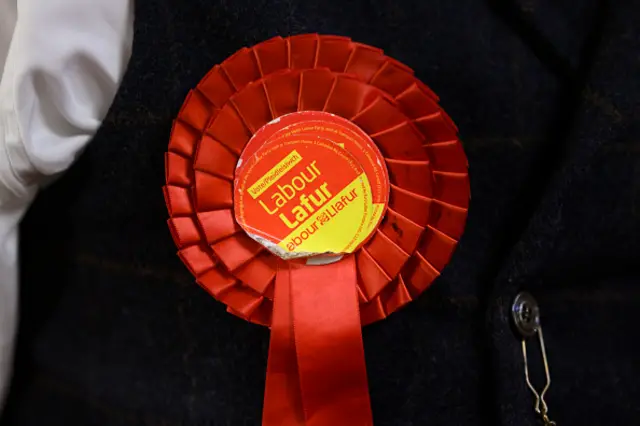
{"x": 316, "y": 371}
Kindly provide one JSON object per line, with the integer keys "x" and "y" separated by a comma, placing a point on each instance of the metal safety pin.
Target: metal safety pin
{"x": 526, "y": 316}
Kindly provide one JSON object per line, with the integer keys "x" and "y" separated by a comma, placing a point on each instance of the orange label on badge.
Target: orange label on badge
{"x": 310, "y": 186}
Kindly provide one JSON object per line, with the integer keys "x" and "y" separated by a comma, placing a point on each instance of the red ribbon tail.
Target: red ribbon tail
{"x": 316, "y": 374}
{"x": 282, "y": 397}
{"x": 329, "y": 348}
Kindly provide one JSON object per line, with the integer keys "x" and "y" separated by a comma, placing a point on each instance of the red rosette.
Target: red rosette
{"x": 427, "y": 167}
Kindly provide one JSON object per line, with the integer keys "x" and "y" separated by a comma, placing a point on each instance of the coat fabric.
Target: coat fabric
{"x": 114, "y": 331}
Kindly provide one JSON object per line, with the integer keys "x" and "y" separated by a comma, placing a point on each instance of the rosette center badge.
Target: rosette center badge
{"x": 310, "y": 184}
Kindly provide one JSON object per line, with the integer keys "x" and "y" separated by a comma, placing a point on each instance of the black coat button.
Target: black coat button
{"x": 525, "y": 314}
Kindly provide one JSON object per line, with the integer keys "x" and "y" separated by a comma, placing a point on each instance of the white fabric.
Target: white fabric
{"x": 62, "y": 63}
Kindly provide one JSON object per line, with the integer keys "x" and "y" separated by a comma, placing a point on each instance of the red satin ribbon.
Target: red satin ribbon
{"x": 282, "y": 397}
{"x": 316, "y": 371}
{"x": 316, "y": 374}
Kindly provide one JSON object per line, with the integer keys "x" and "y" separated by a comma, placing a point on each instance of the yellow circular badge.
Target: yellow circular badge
{"x": 308, "y": 186}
